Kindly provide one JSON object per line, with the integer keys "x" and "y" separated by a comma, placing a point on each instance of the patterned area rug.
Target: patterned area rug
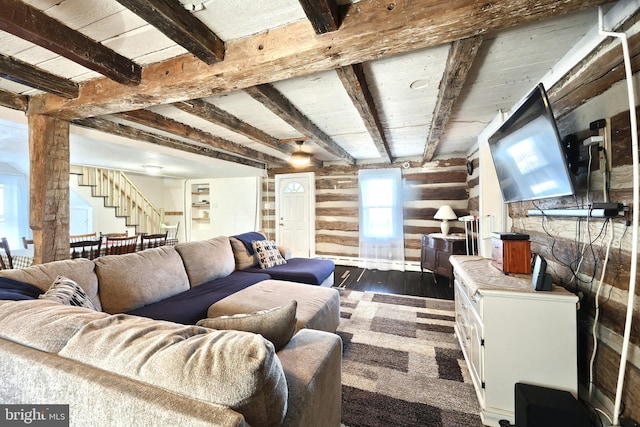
{"x": 402, "y": 364}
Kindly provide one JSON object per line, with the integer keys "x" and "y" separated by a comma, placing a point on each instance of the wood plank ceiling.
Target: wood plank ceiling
{"x": 242, "y": 80}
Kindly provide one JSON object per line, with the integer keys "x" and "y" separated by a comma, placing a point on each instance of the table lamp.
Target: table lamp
{"x": 445, "y": 213}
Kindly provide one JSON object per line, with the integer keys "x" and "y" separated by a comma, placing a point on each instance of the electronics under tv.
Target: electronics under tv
{"x": 538, "y": 406}
{"x": 528, "y": 153}
{"x": 540, "y": 280}
{"x": 509, "y": 236}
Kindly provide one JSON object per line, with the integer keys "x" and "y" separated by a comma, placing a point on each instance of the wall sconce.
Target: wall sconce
{"x": 300, "y": 158}
{"x": 445, "y": 213}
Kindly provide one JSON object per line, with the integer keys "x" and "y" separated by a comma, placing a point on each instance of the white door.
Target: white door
{"x": 295, "y": 213}
{"x": 80, "y": 220}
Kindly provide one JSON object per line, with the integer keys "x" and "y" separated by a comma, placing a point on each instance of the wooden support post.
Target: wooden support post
{"x": 49, "y": 187}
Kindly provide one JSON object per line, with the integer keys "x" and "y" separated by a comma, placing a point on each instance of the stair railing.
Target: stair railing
{"x": 119, "y": 192}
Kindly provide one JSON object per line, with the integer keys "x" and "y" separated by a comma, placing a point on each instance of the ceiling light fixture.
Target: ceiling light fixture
{"x": 300, "y": 158}
{"x": 152, "y": 169}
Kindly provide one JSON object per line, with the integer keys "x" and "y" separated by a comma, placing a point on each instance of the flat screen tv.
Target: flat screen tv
{"x": 528, "y": 153}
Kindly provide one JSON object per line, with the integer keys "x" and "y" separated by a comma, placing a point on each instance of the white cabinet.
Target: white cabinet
{"x": 510, "y": 333}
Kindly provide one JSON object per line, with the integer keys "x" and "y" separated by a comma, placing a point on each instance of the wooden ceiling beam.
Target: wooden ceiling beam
{"x": 593, "y": 75}
{"x": 29, "y": 23}
{"x": 355, "y": 83}
{"x": 271, "y": 98}
{"x": 13, "y": 100}
{"x": 324, "y": 15}
{"x": 29, "y": 75}
{"x": 215, "y": 115}
{"x": 177, "y": 23}
{"x": 165, "y": 124}
{"x": 461, "y": 56}
{"x": 209, "y": 112}
{"x": 370, "y": 30}
{"x": 131, "y": 132}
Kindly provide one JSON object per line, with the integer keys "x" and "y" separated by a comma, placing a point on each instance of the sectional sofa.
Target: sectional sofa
{"x": 153, "y": 351}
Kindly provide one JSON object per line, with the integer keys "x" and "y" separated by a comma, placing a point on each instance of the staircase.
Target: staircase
{"x": 120, "y": 193}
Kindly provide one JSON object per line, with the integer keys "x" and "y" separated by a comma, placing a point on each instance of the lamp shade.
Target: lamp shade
{"x": 445, "y": 212}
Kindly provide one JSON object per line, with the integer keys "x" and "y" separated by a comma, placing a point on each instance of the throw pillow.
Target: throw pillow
{"x": 66, "y": 291}
{"x": 277, "y": 324}
{"x": 268, "y": 253}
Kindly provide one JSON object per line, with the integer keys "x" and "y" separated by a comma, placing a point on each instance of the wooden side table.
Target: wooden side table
{"x": 436, "y": 250}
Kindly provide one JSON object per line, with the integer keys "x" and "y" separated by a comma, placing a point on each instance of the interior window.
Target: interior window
{"x": 381, "y": 219}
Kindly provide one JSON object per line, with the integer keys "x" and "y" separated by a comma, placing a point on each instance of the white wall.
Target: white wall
{"x": 233, "y": 207}
{"x": 492, "y": 209}
{"x": 103, "y": 219}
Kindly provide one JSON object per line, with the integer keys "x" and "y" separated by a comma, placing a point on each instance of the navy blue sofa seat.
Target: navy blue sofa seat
{"x": 191, "y": 305}
{"x": 312, "y": 271}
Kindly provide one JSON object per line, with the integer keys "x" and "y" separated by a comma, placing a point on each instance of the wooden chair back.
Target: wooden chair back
{"x": 26, "y": 242}
{"x": 152, "y": 240}
{"x": 81, "y": 237}
{"x": 120, "y": 245}
{"x": 171, "y": 230}
{"x": 86, "y": 248}
{"x": 105, "y": 235}
{"x": 6, "y": 256}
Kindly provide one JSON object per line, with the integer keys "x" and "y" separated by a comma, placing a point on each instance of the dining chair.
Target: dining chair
{"x": 171, "y": 230}
{"x": 120, "y": 245}
{"x": 104, "y": 235}
{"x": 86, "y": 248}
{"x": 26, "y": 242}
{"x": 6, "y": 261}
{"x": 81, "y": 237}
{"x": 152, "y": 240}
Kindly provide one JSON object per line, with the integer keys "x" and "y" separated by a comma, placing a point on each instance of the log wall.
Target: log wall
{"x": 426, "y": 187}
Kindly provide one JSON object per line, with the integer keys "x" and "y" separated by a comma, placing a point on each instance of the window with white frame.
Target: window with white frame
{"x": 381, "y": 219}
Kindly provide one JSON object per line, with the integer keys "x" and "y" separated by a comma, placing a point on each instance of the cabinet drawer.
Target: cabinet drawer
{"x": 475, "y": 301}
{"x": 476, "y": 353}
{"x": 461, "y": 307}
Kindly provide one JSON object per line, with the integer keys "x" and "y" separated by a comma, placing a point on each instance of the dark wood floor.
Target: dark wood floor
{"x": 393, "y": 282}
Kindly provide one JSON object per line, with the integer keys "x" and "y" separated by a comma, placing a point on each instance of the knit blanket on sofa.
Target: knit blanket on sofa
{"x": 247, "y": 238}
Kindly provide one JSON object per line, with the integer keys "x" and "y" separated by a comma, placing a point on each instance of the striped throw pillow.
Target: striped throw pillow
{"x": 66, "y": 291}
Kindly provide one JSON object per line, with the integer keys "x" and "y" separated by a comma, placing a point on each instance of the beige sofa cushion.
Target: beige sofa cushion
{"x": 318, "y": 307}
{"x": 79, "y": 270}
{"x": 231, "y": 368}
{"x": 242, "y": 256}
{"x": 133, "y": 280}
{"x": 207, "y": 260}
{"x": 43, "y": 324}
